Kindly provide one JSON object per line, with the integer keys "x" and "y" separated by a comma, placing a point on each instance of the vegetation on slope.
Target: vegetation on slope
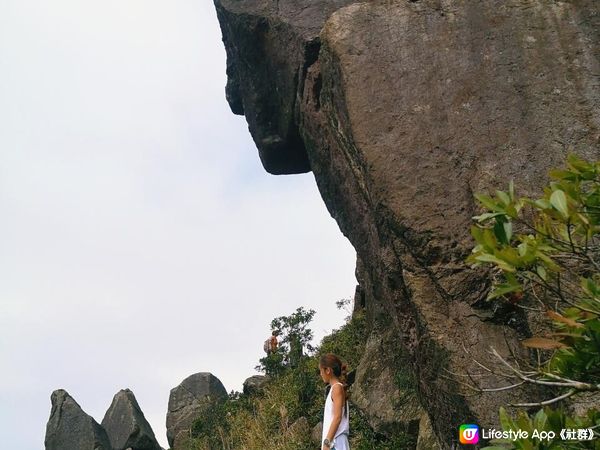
{"x": 545, "y": 254}
{"x": 283, "y": 413}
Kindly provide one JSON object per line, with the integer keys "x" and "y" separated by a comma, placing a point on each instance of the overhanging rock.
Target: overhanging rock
{"x": 403, "y": 110}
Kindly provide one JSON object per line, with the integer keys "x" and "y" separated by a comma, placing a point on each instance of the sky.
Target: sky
{"x": 141, "y": 241}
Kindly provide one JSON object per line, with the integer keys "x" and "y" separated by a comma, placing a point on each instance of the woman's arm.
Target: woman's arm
{"x": 337, "y": 395}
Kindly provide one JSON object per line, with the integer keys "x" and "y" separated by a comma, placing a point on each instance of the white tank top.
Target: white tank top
{"x": 344, "y": 426}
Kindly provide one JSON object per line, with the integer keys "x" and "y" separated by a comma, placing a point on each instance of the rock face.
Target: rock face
{"x": 69, "y": 428}
{"x": 384, "y": 388}
{"x": 300, "y": 427}
{"x": 317, "y": 433}
{"x": 187, "y": 402}
{"x": 403, "y": 110}
{"x": 255, "y": 384}
{"x": 270, "y": 45}
{"x": 426, "y": 440}
{"x": 126, "y": 425}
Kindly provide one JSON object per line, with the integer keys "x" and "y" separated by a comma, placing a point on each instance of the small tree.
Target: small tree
{"x": 295, "y": 338}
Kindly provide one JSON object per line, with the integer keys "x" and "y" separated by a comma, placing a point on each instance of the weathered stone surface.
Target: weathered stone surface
{"x": 255, "y": 384}
{"x": 317, "y": 433}
{"x": 404, "y": 110}
{"x": 426, "y": 439}
{"x": 126, "y": 425}
{"x": 69, "y": 428}
{"x": 187, "y": 402}
{"x": 376, "y": 391}
{"x": 268, "y": 45}
{"x": 300, "y": 427}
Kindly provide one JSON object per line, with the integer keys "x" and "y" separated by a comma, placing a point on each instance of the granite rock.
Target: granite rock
{"x": 70, "y": 428}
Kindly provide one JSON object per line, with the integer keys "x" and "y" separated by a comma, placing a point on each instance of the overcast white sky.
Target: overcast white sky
{"x": 140, "y": 239}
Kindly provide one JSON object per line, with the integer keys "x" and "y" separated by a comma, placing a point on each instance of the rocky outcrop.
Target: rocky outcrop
{"x": 403, "y": 110}
{"x": 300, "y": 427}
{"x": 187, "y": 402}
{"x": 426, "y": 439}
{"x": 255, "y": 384}
{"x": 270, "y": 45}
{"x": 69, "y": 428}
{"x": 384, "y": 389}
{"x": 126, "y": 426}
{"x": 316, "y": 433}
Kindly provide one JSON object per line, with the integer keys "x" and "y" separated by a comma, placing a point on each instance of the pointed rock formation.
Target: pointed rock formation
{"x": 126, "y": 426}
{"x": 69, "y": 428}
{"x": 187, "y": 402}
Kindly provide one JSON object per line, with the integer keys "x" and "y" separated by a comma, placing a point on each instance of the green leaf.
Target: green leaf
{"x": 477, "y": 233}
{"x": 542, "y": 272}
{"x": 589, "y": 286}
{"x": 578, "y": 164}
{"x": 542, "y": 204}
{"x": 510, "y": 255}
{"x": 486, "y": 216}
{"x": 551, "y": 264}
{"x": 563, "y": 175}
{"x": 500, "y": 233}
{"x": 508, "y": 231}
{"x": 503, "y": 196}
{"x": 492, "y": 259}
{"x": 506, "y": 421}
{"x": 489, "y": 240}
{"x": 503, "y": 289}
{"x": 539, "y": 420}
{"x": 487, "y": 201}
{"x": 524, "y": 422}
{"x": 558, "y": 199}
{"x": 523, "y": 248}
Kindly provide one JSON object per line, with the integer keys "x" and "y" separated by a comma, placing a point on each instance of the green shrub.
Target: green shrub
{"x": 294, "y": 342}
{"x": 546, "y": 258}
{"x": 545, "y": 420}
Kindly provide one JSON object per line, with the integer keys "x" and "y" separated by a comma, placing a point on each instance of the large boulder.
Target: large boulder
{"x": 69, "y": 428}
{"x": 255, "y": 384}
{"x": 403, "y": 110}
{"x": 126, "y": 426}
{"x": 187, "y": 402}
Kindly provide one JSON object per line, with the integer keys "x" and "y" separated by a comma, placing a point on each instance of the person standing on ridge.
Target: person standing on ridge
{"x": 270, "y": 345}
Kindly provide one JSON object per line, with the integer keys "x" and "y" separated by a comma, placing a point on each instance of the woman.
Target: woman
{"x": 336, "y": 423}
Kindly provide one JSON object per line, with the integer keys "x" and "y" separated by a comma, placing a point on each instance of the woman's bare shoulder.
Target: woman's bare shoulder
{"x": 337, "y": 390}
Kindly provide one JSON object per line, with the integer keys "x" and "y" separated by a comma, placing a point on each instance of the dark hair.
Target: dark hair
{"x": 339, "y": 369}
{"x": 334, "y": 363}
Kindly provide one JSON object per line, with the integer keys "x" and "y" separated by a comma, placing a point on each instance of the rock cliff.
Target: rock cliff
{"x": 403, "y": 110}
